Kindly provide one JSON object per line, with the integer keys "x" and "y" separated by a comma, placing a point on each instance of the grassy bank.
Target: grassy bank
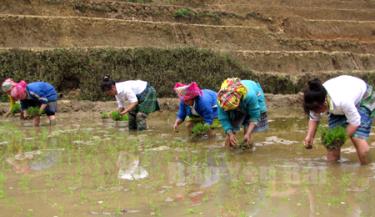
{"x": 83, "y": 69}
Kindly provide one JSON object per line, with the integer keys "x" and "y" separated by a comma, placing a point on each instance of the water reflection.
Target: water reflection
{"x": 130, "y": 167}
{"x": 26, "y": 162}
{"x": 169, "y": 175}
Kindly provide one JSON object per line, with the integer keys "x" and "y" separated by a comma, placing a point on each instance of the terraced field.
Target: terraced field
{"x": 290, "y": 37}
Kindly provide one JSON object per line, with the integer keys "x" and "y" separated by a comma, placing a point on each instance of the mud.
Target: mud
{"x": 274, "y": 102}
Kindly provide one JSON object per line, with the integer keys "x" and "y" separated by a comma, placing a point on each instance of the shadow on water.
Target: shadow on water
{"x": 84, "y": 166}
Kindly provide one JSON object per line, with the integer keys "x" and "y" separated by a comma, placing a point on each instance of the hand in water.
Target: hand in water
{"x": 308, "y": 142}
{"x": 231, "y": 140}
{"x": 247, "y": 139}
{"x": 175, "y": 126}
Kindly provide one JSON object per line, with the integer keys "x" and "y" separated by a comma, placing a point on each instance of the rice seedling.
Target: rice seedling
{"x": 105, "y": 115}
{"x": 33, "y": 112}
{"x": 200, "y": 129}
{"x": 333, "y": 138}
{"x": 16, "y": 108}
{"x": 116, "y": 116}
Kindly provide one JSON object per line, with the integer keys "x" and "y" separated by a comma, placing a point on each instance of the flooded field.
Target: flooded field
{"x": 84, "y": 166}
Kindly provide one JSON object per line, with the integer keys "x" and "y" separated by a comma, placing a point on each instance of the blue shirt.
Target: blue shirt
{"x": 42, "y": 92}
{"x": 252, "y": 104}
{"x": 205, "y": 106}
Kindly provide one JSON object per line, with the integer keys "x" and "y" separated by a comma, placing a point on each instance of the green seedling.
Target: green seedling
{"x": 243, "y": 145}
{"x": 200, "y": 129}
{"x": 33, "y": 112}
{"x": 333, "y": 138}
{"x": 116, "y": 116}
{"x": 105, "y": 115}
{"x": 216, "y": 124}
{"x": 16, "y": 108}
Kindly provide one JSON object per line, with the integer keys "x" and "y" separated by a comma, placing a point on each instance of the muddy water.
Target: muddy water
{"x": 87, "y": 167}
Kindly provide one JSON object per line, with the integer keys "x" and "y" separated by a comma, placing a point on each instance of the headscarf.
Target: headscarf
{"x": 7, "y": 85}
{"x": 18, "y": 90}
{"x": 187, "y": 91}
{"x": 230, "y": 93}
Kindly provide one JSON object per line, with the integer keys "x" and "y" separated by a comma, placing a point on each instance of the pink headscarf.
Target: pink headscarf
{"x": 7, "y": 85}
{"x": 187, "y": 91}
{"x": 18, "y": 90}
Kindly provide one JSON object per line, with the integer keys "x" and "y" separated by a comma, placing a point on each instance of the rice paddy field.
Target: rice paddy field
{"x": 85, "y": 166}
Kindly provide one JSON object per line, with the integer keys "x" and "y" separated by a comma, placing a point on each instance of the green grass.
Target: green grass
{"x": 2, "y": 185}
{"x": 186, "y": 13}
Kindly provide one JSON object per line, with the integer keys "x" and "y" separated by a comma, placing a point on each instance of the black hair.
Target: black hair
{"x": 107, "y": 83}
{"x": 314, "y": 96}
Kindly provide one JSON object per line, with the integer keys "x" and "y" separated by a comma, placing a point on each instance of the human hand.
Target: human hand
{"x": 230, "y": 140}
{"x": 308, "y": 142}
{"x": 175, "y": 126}
{"x": 247, "y": 138}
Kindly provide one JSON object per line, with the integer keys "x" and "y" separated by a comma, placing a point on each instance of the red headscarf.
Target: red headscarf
{"x": 187, "y": 91}
{"x": 18, "y": 90}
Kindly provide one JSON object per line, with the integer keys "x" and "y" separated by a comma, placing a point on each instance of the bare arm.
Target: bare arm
{"x": 177, "y": 123}
{"x": 42, "y": 108}
{"x": 249, "y": 130}
{"x": 311, "y": 131}
{"x": 129, "y": 108}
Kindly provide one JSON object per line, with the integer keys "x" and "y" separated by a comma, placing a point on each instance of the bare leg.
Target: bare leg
{"x": 211, "y": 133}
{"x": 36, "y": 121}
{"x": 333, "y": 155}
{"x": 362, "y": 148}
{"x": 52, "y": 119}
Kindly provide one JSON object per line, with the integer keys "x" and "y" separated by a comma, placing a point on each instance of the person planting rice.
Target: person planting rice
{"x": 241, "y": 102}
{"x": 36, "y": 94}
{"x": 196, "y": 104}
{"x": 350, "y": 103}
{"x": 6, "y": 86}
{"x": 141, "y": 96}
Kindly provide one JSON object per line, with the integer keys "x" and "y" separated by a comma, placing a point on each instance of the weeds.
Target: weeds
{"x": 2, "y": 183}
{"x": 185, "y": 13}
{"x": 85, "y": 66}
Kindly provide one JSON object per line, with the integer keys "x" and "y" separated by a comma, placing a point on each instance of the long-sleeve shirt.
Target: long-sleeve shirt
{"x": 344, "y": 96}
{"x": 42, "y": 92}
{"x": 128, "y": 90}
{"x": 204, "y": 105}
{"x": 252, "y": 104}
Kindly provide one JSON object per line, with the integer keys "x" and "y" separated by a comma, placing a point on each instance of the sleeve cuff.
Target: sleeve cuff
{"x": 228, "y": 131}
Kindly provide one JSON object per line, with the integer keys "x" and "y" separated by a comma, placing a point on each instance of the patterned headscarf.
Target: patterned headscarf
{"x": 187, "y": 91}
{"x": 7, "y": 85}
{"x": 230, "y": 93}
{"x": 18, "y": 90}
